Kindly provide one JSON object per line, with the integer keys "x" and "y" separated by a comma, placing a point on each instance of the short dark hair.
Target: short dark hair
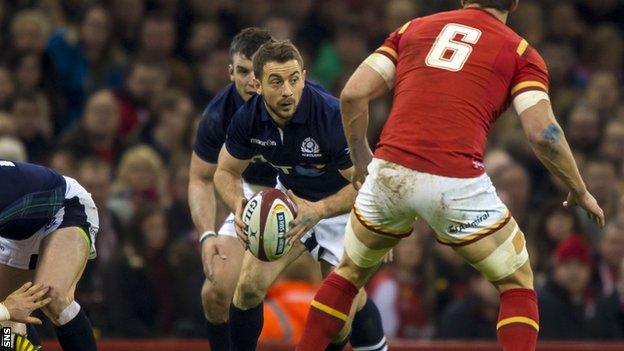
{"x": 249, "y": 40}
{"x": 501, "y": 5}
{"x": 275, "y": 51}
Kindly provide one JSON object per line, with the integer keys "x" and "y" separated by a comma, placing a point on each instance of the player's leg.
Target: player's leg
{"x": 256, "y": 277}
{"x": 217, "y": 294}
{"x": 503, "y": 259}
{"x": 363, "y": 328}
{"x": 332, "y": 304}
{"x": 63, "y": 257}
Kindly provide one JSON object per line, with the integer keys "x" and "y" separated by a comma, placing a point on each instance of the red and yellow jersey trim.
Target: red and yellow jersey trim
{"x": 389, "y": 53}
{"x": 517, "y": 319}
{"x": 378, "y": 229}
{"x": 522, "y": 47}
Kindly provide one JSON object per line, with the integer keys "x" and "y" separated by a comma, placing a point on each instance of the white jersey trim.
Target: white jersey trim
{"x": 528, "y": 99}
{"x": 382, "y": 65}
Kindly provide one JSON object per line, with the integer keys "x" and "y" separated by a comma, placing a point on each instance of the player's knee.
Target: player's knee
{"x": 60, "y": 300}
{"x": 249, "y": 294}
{"x": 521, "y": 278}
{"x": 216, "y": 303}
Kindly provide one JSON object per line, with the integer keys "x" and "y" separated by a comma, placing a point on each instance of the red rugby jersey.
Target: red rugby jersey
{"x": 456, "y": 73}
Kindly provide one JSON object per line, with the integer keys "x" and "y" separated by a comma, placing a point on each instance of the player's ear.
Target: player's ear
{"x": 231, "y": 72}
{"x": 257, "y": 86}
{"x": 303, "y": 74}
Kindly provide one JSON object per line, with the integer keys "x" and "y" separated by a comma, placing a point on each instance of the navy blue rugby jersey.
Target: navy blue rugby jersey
{"x": 307, "y": 153}
{"x": 212, "y": 130}
{"x": 30, "y": 196}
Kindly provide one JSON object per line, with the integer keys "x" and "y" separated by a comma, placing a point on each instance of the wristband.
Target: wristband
{"x": 205, "y": 235}
{"x": 4, "y": 313}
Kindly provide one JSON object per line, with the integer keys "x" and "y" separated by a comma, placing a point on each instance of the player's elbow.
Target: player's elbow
{"x": 351, "y": 94}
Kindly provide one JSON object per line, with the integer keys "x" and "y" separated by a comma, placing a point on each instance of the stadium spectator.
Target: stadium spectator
{"x": 611, "y": 253}
{"x": 584, "y": 129}
{"x": 601, "y": 179}
{"x": 610, "y": 312}
{"x": 143, "y": 82}
{"x": 565, "y": 302}
{"x": 205, "y": 37}
{"x": 127, "y": 15}
{"x": 96, "y": 134}
{"x": 169, "y": 130}
{"x": 33, "y": 125}
{"x": 87, "y": 61}
{"x": 141, "y": 180}
{"x": 143, "y": 305}
{"x": 613, "y": 143}
{"x": 157, "y": 44}
{"x": 64, "y": 161}
{"x": 211, "y": 75}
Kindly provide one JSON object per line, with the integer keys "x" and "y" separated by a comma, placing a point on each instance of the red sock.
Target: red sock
{"x": 328, "y": 313}
{"x": 518, "y": 320}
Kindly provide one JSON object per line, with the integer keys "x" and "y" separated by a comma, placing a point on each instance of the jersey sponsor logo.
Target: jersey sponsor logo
{"x": 477, "y": 165}
{"x": 463, "y": 226}
{"x": 310, "y": 148}
{"x": 263, "y": 142}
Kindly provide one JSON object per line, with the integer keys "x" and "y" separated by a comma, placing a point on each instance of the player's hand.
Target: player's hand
{"x": 308, "y": 214}
{"x": 361, "y": 156}
{"x": 23, "y": 301}
{"x": 389, "y": 257}
{"x": 358, "y": 177}
{"x": 211, "y": 247}
{"x": 587, "y": 202}
{"x": 239, "y": 226}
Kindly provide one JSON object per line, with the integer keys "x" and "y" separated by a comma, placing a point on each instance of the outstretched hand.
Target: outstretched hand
{"x": 587, "y": 202}
{"x": 23, "y": 301}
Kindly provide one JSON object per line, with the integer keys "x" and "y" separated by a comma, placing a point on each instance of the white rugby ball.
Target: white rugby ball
{"x": 266, "y": 217}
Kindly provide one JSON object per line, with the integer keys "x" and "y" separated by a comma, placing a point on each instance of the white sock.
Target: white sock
{"x": 69, "y": 313}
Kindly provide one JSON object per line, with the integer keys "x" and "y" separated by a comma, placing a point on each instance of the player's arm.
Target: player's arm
{"x": 551, "y": 148}
{"x": 309, "y": 212}
{"x": 201, "y": 194}
{"x": 374, "y": 77}
{"x": 228, "y": 180}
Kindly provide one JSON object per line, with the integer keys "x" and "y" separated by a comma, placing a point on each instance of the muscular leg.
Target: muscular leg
{"x": 255, "y": 279}
{"x": 63, "y": 258}
{"x": 518, "y": 320}
{"x": 333, "y": 303}
{"x": 217, "y": 294}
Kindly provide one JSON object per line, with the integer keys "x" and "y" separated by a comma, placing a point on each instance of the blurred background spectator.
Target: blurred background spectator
{"x": 110, "y": 92}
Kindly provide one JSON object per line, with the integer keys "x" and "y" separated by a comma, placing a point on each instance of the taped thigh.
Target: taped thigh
{"x": 504, "y": 260}
{"x": 360, "y": 254}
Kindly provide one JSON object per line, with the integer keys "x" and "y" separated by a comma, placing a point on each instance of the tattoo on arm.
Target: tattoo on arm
{"x": 552, "y": 133}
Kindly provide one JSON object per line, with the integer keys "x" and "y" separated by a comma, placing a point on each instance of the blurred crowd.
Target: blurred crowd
{"x": 110, "y": 92}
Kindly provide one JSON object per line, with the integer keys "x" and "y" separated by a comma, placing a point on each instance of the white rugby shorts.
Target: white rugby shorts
{"x": 460, "y": 210}
{"x": 78, "y": 211}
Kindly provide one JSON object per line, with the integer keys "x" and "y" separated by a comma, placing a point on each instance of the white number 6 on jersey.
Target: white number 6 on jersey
{"x": 450, "y": 54}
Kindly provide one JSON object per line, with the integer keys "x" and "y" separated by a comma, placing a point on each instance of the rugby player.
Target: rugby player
{"x": 48, "y": 225}
{"x": 453, "y": 74}
{"x": 222, "y": 254}
{"x": 294, "y": 126}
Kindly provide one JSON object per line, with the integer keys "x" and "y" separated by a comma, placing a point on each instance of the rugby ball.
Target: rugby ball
{"x": 266, "y": 217}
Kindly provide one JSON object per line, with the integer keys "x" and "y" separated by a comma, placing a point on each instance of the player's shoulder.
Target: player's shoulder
{"x": 225, "y": 102}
